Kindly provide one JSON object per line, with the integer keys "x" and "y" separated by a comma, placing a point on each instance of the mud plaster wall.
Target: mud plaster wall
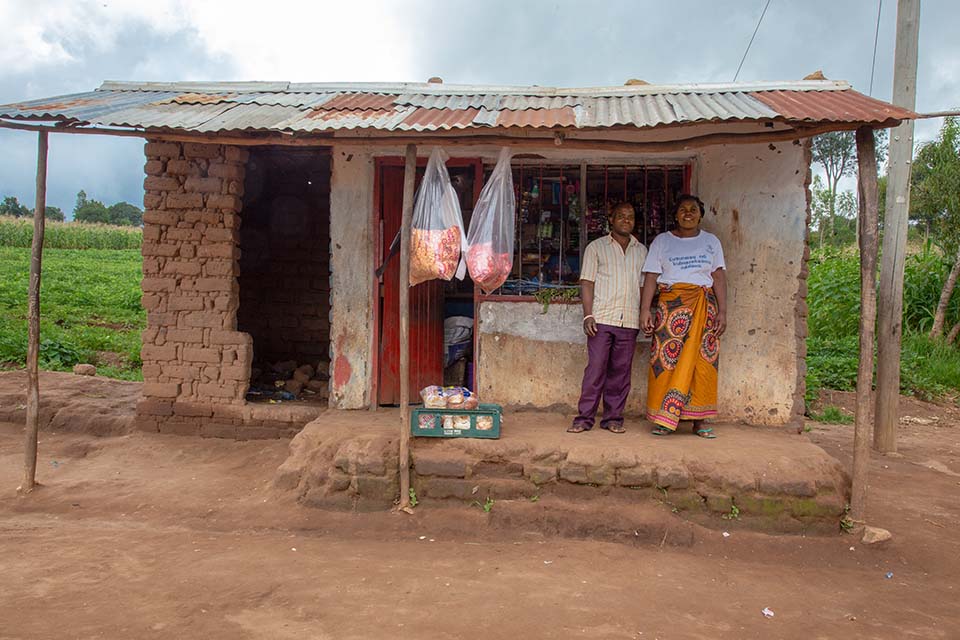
{"x": 351, "y": 278}
{"x": 533, "y": 359}
{"x": 757, "y": 206}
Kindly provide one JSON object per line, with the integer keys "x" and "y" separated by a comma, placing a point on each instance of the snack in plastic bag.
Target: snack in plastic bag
{"x": 448, "y": 422}
{"x": 461, "y": 422}
{"x": 484, "y": 423}
{"x": 470, "y": 403}
{"x": 433, "y": 397}
{"x": 490, "y": 238}
{"x": 426, "y": 420}
{"x": 436, "y": 240}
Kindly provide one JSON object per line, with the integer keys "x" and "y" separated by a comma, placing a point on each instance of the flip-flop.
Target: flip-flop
{"x": 577, "y": 428}
{"x": 614, "y": 428}
{"x": 705, "y": 432}
{"x": 660, "y": 431}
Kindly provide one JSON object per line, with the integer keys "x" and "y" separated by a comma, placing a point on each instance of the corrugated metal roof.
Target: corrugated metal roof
{"x": 286, "y": 107}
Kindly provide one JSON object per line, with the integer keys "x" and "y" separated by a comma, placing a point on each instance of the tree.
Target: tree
{"x": 124, "y": 213}
{"x": 935, "y": 201}
{"x": 12, "y": 207}
{"x": 91, "y": 211}
{"x": 54, "y": 213}
{"x": 836, "y": 152}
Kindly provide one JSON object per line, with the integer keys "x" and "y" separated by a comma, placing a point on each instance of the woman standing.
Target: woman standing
{"x": 687, "y": 267}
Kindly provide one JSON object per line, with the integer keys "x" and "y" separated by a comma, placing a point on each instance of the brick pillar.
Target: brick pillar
{"x": 195, "y": 363}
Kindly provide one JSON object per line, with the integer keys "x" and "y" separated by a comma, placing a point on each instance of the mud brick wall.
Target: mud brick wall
{"x": 285, "y": 263}
{"x": 192, "y": 353}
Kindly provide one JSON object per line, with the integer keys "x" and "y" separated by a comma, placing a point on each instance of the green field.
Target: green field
{"x": 18, "y": 232}
{"x": 90, "y": 309}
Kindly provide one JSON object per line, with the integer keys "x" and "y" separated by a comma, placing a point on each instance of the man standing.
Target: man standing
{"x": 610, "y": 281}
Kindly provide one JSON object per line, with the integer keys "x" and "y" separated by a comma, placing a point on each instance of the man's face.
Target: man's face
{"x": 622, "y": 220}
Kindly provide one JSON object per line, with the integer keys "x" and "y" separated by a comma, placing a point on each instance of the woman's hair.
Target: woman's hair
{"x": 688, "y": 197}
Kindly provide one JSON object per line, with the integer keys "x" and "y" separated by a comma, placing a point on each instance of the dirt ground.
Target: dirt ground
{"x": 152, "y": 536}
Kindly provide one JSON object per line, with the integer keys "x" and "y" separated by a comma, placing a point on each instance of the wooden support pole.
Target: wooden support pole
{"x": 868, "y": 223}
{"x": 33, "y": 323}
{"x": 890, "y": 329}
{"x": 409, "y": 177}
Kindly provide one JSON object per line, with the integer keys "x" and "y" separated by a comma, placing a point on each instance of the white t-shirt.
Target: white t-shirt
{"x": 689, "y": 260}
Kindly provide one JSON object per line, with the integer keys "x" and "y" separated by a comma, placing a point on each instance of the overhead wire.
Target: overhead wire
{"x": 876, "y": 38}
{"x": 749, "y": 44}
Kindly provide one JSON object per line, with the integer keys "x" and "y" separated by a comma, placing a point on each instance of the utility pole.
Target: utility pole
{"x": 890, "y": 329}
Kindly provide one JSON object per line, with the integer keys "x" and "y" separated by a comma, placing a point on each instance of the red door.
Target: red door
{"x": 426, "y": 307}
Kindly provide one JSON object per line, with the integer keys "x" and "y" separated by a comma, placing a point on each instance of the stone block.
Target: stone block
{"x": 165, "y": 353}
{"x": 226, "y": 170}
{"x": 635, "y": 477}
{"x": 166, "y": 218}
{"x": 175, "y": 334}
{"x": 152, "y": 200}
{"x": 673, "y": 477}
{"x": 151, "y": 301}
{"x": 234, "y": 372}
{"x": 85, "y": 370}
{"x": 157, "y": 249}
{"x": 230, "y": 337}
{"x": 236, "y": 154}
{"x": 225, "y": 202}
{"x": 573, "y": 473}
{"x": 220, "y": 234}
{"x": 799, "y": 487}
{"x": 161, "y": 389}
{"x": 540, "y": 474}
{"x": 181, "y": 267}
{"x": 225, "y": 389}
{"x": 184, "y": 201}
{"x": 384, "y": 489}
{"x": 158, "y": 284}
{"x": 191, "y": 409}
{"x": 201, "y": 150}
{"x": 430, "y": 464}
{"x": 162, "y": 149}
{"x": 161, "y": 183}
{"x": 200, "y": 354}
{"x": 219, "y": 250}
{"x": 153, "y": 167}
{"x": 215, "y": 267}
{"x": 218, "y": 430}
{"x": 203, "y": 319}
{"x": 187, "y": 250}
{"x": 179, "y": 428}
{"x": 195, "y": 184}
{"x": 183, "y": 168}
{"x": 184, "y": 303}
{"x": 256, "y": 433}
{"x": 182, "y": 372}
{"x": 216, "y": 284}
{"x": 149, "y": 407}
{"x": 180, "y": 234}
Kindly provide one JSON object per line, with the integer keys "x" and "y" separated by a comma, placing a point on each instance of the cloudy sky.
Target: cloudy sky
{"x": 55, "y": 47}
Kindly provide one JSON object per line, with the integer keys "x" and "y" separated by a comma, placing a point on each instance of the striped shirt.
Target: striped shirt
{"x": 617, "y": 278}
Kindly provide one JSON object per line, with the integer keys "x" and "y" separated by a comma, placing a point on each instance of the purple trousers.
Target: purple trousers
{"x": 609, "y": 362}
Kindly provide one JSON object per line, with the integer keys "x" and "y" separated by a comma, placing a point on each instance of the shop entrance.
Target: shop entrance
{"x": 432, "y": 302}
{"x": 285, "y": 273}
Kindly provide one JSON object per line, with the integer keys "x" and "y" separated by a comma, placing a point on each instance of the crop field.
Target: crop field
{"x": 89, "y": 308}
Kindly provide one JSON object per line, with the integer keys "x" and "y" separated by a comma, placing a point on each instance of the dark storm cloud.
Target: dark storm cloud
{"x": 109, "y": 169}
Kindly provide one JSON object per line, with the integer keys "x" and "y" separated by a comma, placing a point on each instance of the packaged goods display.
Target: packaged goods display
{"x": 436, "y": 242}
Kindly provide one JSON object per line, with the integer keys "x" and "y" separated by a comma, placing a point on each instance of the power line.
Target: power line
{"x": 876, "y": 38}
{"x": 740, "y": 66}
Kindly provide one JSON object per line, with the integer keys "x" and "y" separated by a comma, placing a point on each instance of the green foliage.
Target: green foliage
{"x": 928, "y": 368}
{"x": 556, "y": 294}
{"x": 935, "y": 186}
{"x": 90, "y": 303}
{"x": 12, "y": 207}
{"x": 70, "y": 235}
{"x": 413, "y": 497}
{"x": 54, "y": 213}
{"x": 832, "y": 415}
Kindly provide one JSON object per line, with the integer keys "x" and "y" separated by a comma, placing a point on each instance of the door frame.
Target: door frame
{"x": 376, "y": 234}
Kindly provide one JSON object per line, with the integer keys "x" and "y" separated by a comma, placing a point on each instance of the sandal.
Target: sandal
{"x": 616, "y": 427}
{"x": 577, "y": 428}
{"x": 703, "y": 432}
{"x": 661, "y": 431}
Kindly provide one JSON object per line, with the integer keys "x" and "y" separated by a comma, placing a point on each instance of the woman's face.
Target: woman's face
{"x": 688, "y": 215}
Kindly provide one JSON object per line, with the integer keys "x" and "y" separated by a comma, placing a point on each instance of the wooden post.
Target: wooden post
{"x": 409, "y": 177}
{"x": 890, "y": 328}
{"x": 33, "y": 323}
{"x": 583, "y": 211}
{"x": 867, "y": 222}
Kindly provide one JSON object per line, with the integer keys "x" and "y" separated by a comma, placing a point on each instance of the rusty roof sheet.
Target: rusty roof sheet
{"x": 286, "y": 107}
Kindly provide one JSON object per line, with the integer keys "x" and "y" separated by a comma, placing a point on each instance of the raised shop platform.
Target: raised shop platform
{"x": 763, "y": 478}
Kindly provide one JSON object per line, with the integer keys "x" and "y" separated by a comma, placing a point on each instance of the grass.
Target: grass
{"x": 929, "y": 369}
{"x": 90, "y": 302}
{"x": 832, "y": 415}
{"x": 18, "y": 232}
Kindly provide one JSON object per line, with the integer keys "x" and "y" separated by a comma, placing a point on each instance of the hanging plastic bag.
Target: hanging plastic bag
{"x": 490, "y": 240}
{"x": 437, "y": 239}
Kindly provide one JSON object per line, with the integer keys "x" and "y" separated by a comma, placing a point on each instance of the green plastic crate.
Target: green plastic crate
{"x": 430, "y": 422}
